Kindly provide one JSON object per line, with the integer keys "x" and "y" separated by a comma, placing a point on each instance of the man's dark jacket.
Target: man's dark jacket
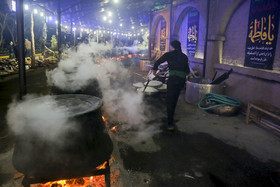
{"x": 176, "y": 60}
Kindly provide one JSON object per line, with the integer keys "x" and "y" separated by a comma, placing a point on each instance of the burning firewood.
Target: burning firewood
{"x": 80, "y": 181}
{"x": 18, "y": 175}
{"x": 102, "y": 166}
{"x": 93, "y": 181}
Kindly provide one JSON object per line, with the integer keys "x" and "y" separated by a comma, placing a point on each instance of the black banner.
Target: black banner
{"x": 193, "y": 28}
{"x": 262, "y": 34}
{"x": 163, "y": 35}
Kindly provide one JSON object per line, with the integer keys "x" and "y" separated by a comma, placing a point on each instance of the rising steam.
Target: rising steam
{"x": 138, "y": 46}
{"x": 121, "y": 102}
{"x": 42, "y": 117}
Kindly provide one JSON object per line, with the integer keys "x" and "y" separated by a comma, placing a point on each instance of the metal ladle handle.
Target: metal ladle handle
{"x": 146, "y": 85}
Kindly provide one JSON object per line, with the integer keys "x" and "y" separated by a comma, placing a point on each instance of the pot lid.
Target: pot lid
{"x": 74, "y": 104}
{"x": 153, "y": 83}
{"x": 147, "y": 90}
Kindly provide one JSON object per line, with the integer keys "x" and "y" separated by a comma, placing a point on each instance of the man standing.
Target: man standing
{"x": 178, "y": 70}
{"x": 11, "y": 50}
{"x": 27, "y": 48}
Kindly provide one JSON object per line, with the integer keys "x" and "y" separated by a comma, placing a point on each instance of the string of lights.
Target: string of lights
{"x": 107, "y": 18}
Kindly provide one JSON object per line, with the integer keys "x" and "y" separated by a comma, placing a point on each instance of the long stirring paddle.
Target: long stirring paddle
{"x": 146, "y": 85}
{"x": 147, "y": 81}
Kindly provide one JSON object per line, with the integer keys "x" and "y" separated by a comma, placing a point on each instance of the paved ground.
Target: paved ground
{"x": 205, "y": 149}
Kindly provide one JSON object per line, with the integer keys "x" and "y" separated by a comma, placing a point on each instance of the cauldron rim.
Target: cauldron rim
{"x": 87, "y": 98}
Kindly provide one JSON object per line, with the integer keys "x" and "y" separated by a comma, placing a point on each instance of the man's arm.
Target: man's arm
{"x": 191, "y": 71}
{"x": 162, "y": 59}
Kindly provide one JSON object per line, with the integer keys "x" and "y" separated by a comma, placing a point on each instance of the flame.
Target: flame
{"x": 114, "y": 129}
{"x": 102, "y": 166}
{"x": 105, "y": 122}
{"x": 92, "y": 181}
{"x": 97, "y": 181}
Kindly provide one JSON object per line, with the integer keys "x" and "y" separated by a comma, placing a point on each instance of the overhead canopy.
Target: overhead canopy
{"x": 102, "y": 13}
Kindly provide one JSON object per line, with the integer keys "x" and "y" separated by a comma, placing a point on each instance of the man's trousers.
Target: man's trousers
{"x": 174, "y": 87}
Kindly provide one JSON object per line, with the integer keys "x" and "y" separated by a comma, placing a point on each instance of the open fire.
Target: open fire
{"x": 111, "y": 127}
{"x": 93, "y": 181}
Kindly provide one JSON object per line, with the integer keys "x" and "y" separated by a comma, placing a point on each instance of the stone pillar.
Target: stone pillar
{"x": 20, "y": 48}
{"x": 170, "y": 24}
{"x": 150, "y": 33}
{"x": 59, "y": 29}
{"x": 214, "y": 53}
{"x": 153, "y": 40}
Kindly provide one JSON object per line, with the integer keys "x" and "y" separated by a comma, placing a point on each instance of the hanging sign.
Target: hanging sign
{"x": 262, "y": 34}
{"x": 162, "y": 34}
{"x": 192, "y": 37}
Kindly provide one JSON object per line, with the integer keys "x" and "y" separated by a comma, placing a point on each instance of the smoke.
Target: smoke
{"x": 121, "y": 102}
{"x": 75, "y": 72}
{"x": 138, "y": 47}
{"x": 124, "y": 106}
{"x": 40, "y": 117}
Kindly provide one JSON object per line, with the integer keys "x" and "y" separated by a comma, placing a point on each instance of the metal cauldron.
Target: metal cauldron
{"x": 197, "y": 88}
{"x": 225, "y": 110}
{"x": 91, "y": 88}
{"x": 147, "y": 92}
{"x": 82, "y": 150}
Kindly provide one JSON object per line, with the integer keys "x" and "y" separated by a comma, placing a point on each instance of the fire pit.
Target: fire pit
{"x": 81, "y": 153}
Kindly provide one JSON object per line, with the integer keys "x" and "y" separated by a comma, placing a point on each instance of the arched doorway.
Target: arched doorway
{"x": 180, "y": 31}
{"x": 156, "y": 32}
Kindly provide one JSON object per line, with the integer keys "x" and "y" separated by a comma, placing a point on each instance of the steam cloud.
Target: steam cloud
{"x": 39, "y": 117}
{"x": 120, "y": 101}
{"x": 138, "y": 46}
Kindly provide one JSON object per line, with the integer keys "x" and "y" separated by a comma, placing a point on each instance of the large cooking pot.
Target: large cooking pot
{"x": 197, "y": 88}
{"x": 149, "y": 91}
{"x": 81, "y": 150}
{"x": 92, "y": 88}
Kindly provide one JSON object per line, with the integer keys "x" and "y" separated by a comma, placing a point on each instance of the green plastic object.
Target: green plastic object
{"x": 220, "y": 100}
